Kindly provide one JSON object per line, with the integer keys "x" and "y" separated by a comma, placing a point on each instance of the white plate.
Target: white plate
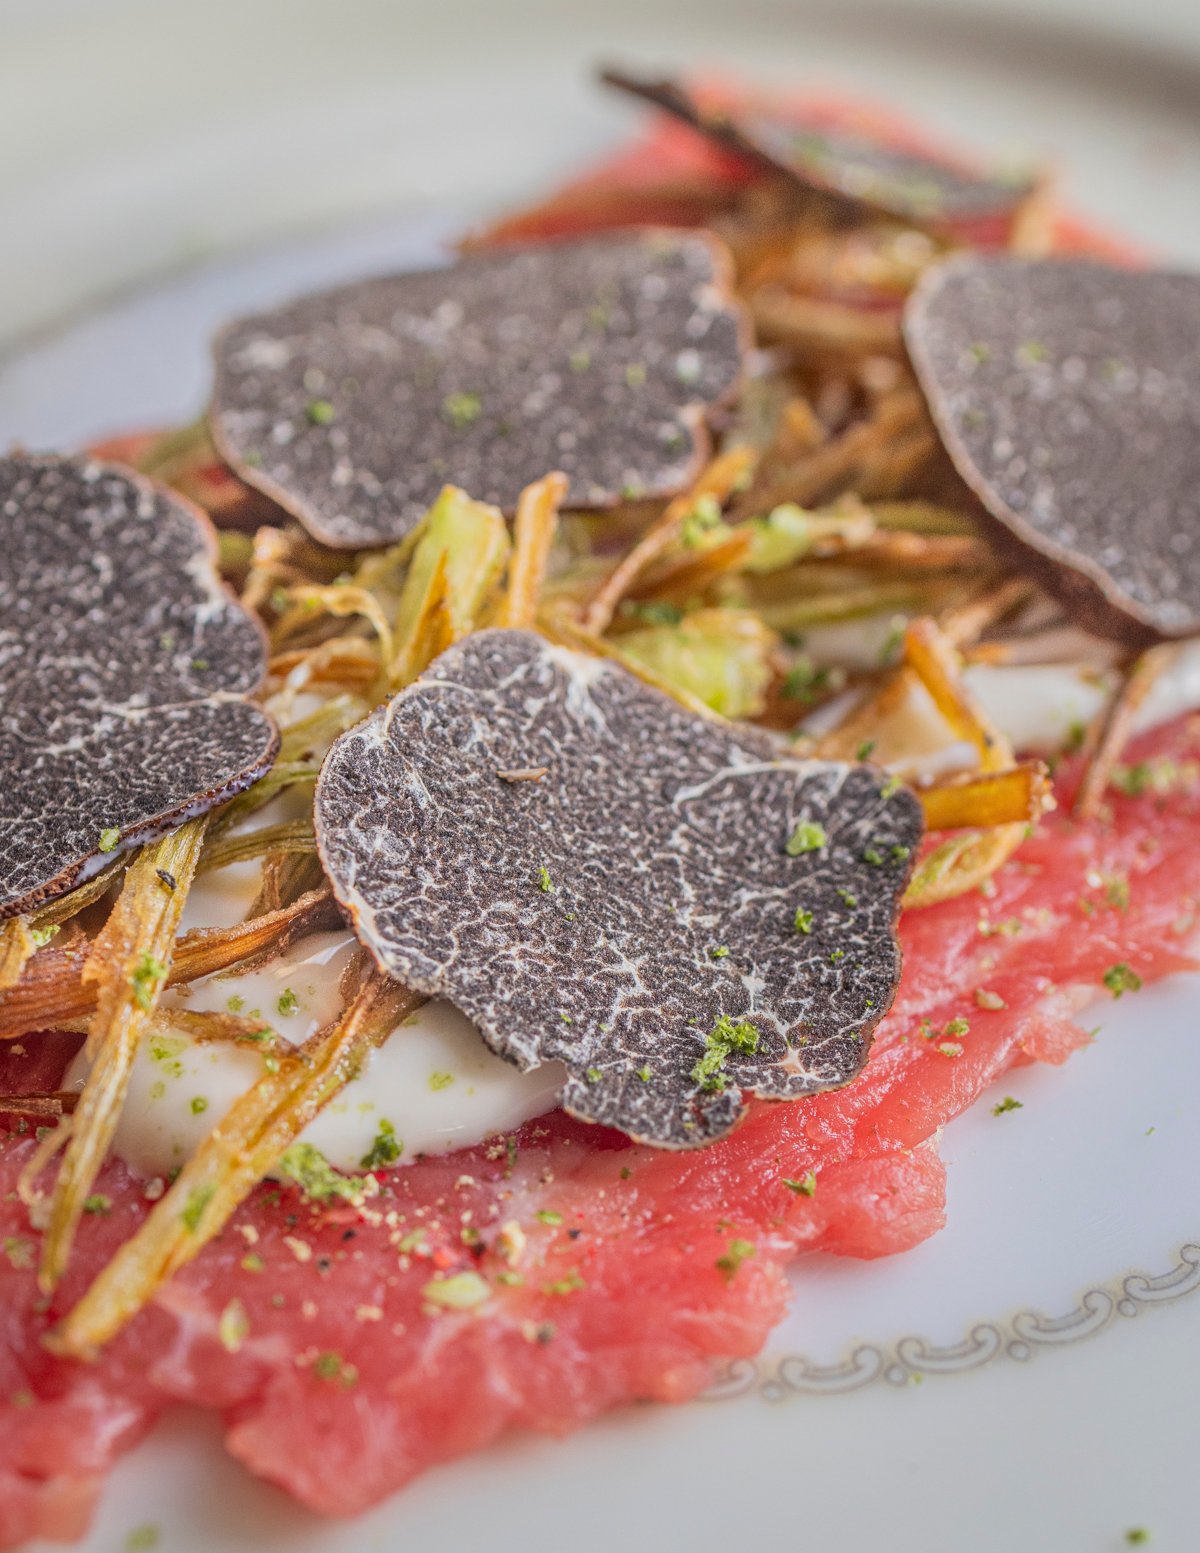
{"x": 1056, "y": 1321}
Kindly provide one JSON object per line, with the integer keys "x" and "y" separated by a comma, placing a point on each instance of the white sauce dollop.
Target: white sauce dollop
{"x": 433, "y": 1081}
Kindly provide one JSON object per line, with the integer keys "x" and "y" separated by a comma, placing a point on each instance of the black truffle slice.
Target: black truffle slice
{"x": 853, "y": 169}
{"x": 674, "y": 912}
{"x": 355, "y": 407}
{"x": 123, "y": 667}
{"x": 1067, "y": 393}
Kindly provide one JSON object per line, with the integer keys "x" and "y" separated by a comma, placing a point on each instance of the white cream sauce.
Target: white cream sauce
{"x": 434, "y": 1082}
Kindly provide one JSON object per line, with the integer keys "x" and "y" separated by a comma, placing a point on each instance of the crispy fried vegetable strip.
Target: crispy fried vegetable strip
{"x": 533, "y": 534}
{"x": 840, "y": 464}
{"x": 933, "y": 659}
{"x": 1108, "y": 738}
{"x": 60, "y": 1102}
{"x": 53, "y": 993}
{"x": 1019, "y": 794}
{"x": 17, "y": 945}
{"x": 816, "y": 324}
{"x": 240, "y": 1150}
{"x": 128, "y": 966}
{"x": 716, "y": 483}
{"x": 690, "y": 574}
{"x": 966, "y": 623}
{"x": 962, "y": 863}
{"x": 288, "y": 836}
{"x": 343, "y": 601}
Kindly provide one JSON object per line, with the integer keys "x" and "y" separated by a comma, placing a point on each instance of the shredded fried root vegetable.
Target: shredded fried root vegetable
{"x": 1018, "y": 794}
{"x": 933, "y": 659}
{"x": 718, "y": 481}
{"x": 53, "y": 994}
{"x": 17, "y": 945}
{"x": 289, "y": 836}
{"x": 533, "y": 535}
{"x": 128, "y": 966}
{"x": 1108, "y": 738}
{"x": 60, "y": 1102}
{"x": 964, "y": 861}
{"x": 258, "y": 1128}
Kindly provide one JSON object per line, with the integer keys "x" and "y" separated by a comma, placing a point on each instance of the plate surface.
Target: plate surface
{"x": 1054, "y": 1325}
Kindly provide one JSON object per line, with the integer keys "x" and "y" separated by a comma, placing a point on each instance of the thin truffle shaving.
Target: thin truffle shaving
{"x": 639, "y": 913}
{"x": 123, "y": 671}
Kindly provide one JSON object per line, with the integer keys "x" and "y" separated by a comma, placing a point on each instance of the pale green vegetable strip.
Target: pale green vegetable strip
{"x": 130, "y": 962}
{"x": 248, "y": 1141}
{"x": 720, "y": 656}
{"x": 455, "y": 566}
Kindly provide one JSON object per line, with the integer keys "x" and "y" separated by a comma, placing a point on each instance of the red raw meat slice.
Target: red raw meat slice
{"x": 340, "y": 1381}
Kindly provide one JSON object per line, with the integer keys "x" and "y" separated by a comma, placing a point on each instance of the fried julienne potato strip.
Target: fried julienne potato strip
{"x": 128, "y": 965}
{"x": 717, "y": 483}
{"x": 1017, "y": 794}
{"x": 53, "y": 993}
{"x": 17, "y": 946}
{"x": 533, "y": 535}
{"x": 244, "y": 1146}
{"x": 1108, "y": 738}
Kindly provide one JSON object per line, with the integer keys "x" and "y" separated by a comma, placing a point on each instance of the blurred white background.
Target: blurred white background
{"x": 139, "y": 136}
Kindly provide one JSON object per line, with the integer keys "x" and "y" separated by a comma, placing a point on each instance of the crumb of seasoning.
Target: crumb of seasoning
{"x": 545, "y": 883}
{"x": 735, "y": 1254}
{"x": 440, "y": 1081}
{"x": 808, "y": 836}
{"x": 461, "y": 1291}
{"x": 873, "y": 856}
{"x": 726, "y": 1037}
{"x": 97, "y": 1203}
{"x": 1120, "y": 978}
{"x": 331, "y": 1366}
{"x": 385, "y": 1150}
{"x": 989, "y": 1000}
{"x": 147, "y": 975}
{"x": 168, "y": 879}
{"x": 949, "y": 1048}
{"x": 566, "y": 1285}
{"x": 142, "y": 1538}
{"x": 865, "y": 750}
{"x": 803, "y": 920}
{"x": 42, "y": 935}
{"x": 199, "y": 1105}
{"x": 233, "y": 1328}
{"x": 959, "y": 1026}
{"x": 315, "y": 1176}
{"x": 644, "y": 1075}
{"x": 1007, "y": 1104}
{"x": 719, "y": 952}
{"x": 288, "y": 1002}
{"x": 320, "y": 412}
{"x": 1137, "y": 1536}
{"x": 804, "y": 1186}
{"x": 461, "y": 409}
{"x": 524, "y": 774}
{"x": 594, "y": 1075}
{"x": 548, "y": 1216}
{"x": 108, "y": 839}
{"x": 197, "y": 1201}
